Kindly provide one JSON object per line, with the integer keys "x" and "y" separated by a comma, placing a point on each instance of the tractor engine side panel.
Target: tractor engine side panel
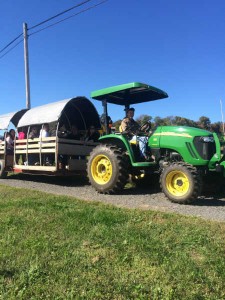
{"x": 195, "y": 146}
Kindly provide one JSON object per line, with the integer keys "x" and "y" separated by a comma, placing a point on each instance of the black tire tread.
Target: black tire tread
{"x": 122, "y": 176}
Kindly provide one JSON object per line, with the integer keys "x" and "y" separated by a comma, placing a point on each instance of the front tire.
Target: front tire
{"x": 107, "y": 169}
{"x": 181, "y": 183}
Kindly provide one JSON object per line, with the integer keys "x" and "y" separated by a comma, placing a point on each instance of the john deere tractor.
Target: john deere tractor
{"x": 182, "y": 155}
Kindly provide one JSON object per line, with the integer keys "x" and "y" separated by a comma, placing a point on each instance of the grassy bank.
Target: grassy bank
{"x": 55, "y": 247}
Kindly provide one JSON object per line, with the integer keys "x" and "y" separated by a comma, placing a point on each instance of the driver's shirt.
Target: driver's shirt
{"x": 129, "y": 125}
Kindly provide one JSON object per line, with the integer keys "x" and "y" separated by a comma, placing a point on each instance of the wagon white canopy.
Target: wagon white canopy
{"x": 60, "y": 153}
{"x": 79, "y": 110}
{"x": 10, "y": 117}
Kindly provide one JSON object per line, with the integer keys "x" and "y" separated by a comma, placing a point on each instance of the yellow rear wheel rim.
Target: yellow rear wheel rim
{"x": 101, "y": 169}
{"x": 177, "y": 183}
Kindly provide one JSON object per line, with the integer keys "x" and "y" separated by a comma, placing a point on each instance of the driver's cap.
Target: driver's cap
{"x": 130, "y": 109}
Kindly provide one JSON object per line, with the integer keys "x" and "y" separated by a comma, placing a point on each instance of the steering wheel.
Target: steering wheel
{"x": 145, "y": 127}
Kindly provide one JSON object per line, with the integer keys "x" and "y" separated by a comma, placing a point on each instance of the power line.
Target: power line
{"x": 80, "y": 12}
{"x": 10, "y": 43}
{"x": 11, "y": 49}
{"x": 59, "y": 14}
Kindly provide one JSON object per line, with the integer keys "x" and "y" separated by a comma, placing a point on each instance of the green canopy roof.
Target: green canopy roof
{"x": 129, "y": 93}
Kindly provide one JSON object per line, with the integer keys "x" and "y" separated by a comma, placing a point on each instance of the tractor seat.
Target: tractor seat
{"x": 132, "y": 142}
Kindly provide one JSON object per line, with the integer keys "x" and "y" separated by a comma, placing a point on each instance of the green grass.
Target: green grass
{"x": 55, "y": 247}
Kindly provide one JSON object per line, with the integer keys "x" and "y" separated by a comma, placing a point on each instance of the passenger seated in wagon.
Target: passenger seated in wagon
{"x": 48, "y": 159}
{"x": 10, "y": 137}
{"x": 44, "y": 132}
{"x": 74, "y": 134}
{"x": 33, "y": 159}
{"x": 92, "y": 134}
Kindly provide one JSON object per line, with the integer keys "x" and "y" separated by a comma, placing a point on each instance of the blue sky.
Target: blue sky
{"x": 175, "y": 45}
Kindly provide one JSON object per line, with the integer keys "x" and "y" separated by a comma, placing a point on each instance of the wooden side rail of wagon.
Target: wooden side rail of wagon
{"x": 2, "y": 148}
{"x": 27, "y": 149}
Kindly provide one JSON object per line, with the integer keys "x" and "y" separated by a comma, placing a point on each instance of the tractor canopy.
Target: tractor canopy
{"x": 129, "y": 93}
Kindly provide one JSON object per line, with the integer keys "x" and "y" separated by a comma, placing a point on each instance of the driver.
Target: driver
{"x": 130, "y": 127}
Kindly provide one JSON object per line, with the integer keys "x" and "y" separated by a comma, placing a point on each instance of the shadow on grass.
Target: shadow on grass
{"x": 7, "y": 273}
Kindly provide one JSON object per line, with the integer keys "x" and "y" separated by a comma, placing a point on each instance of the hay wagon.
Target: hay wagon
{"x": 68, "y": 156}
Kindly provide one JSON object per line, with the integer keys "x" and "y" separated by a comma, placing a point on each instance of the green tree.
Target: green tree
{"x": 217, "y": 127}
{"x": 204, "y": 122}
{"x": 158, "y": 121}
{"x": 142, "y": 119}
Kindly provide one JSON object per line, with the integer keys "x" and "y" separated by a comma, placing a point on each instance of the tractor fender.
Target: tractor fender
{"x": 120, "y": 141}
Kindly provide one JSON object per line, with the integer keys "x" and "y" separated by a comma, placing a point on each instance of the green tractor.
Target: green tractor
{"x": 183, "y": 155}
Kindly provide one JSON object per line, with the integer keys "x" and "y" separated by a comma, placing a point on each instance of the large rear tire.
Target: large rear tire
{"x": 107, "y": 169}
{"x": 3, "y": 173}
{"x": 181, "y": 182}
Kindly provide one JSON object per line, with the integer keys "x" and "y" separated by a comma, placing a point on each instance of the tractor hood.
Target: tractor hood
{"x": 182, "y": 131}
{"x": 130, "y": 93}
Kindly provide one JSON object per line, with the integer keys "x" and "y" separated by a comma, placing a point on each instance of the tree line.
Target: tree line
{"x": 203, "y": 123}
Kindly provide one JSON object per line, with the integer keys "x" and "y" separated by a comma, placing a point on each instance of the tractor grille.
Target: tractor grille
{"x": 191, "y": 150}
{"x": 205, "y": 146}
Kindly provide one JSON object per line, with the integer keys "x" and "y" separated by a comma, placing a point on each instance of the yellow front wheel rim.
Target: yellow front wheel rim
{"x": 177, "y": 183}
{"x": 101, "y": 169}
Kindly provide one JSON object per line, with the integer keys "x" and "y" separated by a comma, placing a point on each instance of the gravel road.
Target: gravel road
{"x": 210, "y": 207}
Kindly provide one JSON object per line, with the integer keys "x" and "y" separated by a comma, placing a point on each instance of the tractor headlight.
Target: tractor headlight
{"x": 207, "y": 139}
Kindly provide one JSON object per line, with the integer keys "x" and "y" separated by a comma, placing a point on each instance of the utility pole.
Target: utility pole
{"x": 26, "y": 62}
{"x": 221, "y": 108}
